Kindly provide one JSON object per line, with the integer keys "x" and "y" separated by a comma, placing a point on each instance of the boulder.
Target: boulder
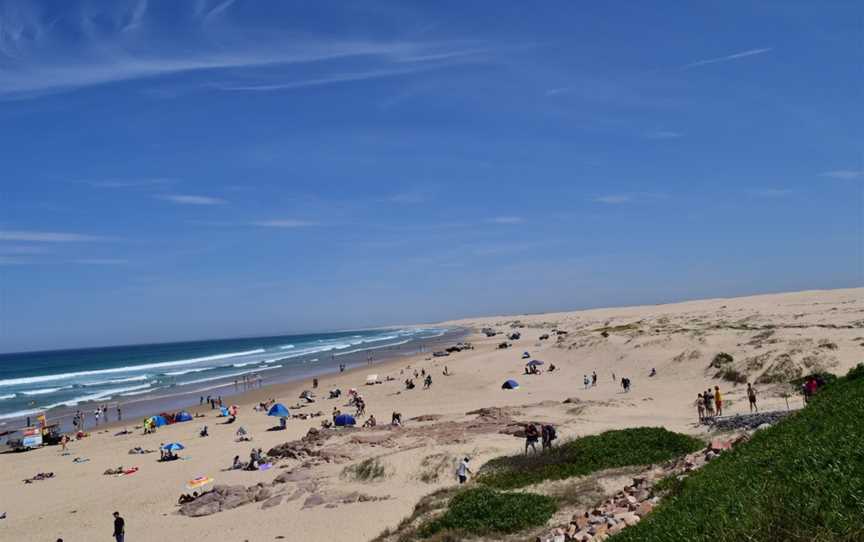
{"x": 645, "y": 508}
{"x": 197, "y": 509}
{"x": 271, "y": 502}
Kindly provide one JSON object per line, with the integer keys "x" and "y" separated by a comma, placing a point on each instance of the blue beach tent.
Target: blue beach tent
{"x": 510, "y": 385}
{"x": 183, "y": 417}
{"x": 159, "y": 421}
{"x": 278, "y": 410}
{"x": 343, "y": 420}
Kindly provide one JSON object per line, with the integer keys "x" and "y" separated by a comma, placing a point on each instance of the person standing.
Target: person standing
{"x": 718, "y": 401}
{"x": 463, "y": 471}
{"x": 119, "y": 527}
{"x": 531, "y": 438}
{"x": 751, "y": 396}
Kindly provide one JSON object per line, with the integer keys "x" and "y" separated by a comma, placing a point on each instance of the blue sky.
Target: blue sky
{"x": 177, "y": 170}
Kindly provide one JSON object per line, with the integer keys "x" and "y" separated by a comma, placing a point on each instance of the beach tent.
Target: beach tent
{"x": 343, "y": 420}
{"x": 510, "y": 385}
{"x": 159, "y": 421}
{"x": 371, "y": 379}
{"x": 223, "y": 411}
{"x": 525, "y": 355}
{"x": 534, "y": 362}
{"x": 278, "y": 410}
{"x": 183, "y": 417}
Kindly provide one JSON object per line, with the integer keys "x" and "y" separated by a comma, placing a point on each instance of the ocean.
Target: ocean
{"x": 57, "y": 381}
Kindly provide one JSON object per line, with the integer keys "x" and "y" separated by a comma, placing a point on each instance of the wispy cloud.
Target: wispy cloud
{"x": 130, "y": 183}
{"x": 846, "y": 174}
{"x": 727, "y": 58}
{"x": 284, "y": 223}
{"x": 47, "y": 52}
{"x": 101, "y": 261}
{"x": 188, "y": 199}
{"x": 559, "y": 90}
{"x": 47, "y": 237}
{"x": 770, "y": 192}
{"x": 664, "y": 134}
{"x": 507, "y": 220}
{"x": 413, "y": 196}
{"x": 614, "y": 199}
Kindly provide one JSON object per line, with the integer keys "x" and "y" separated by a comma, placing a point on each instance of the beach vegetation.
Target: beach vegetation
{"x": 800, "y": 480}
{"x": 482, "y": 510}
{"x": 585, "y": 455}
{"x": 368, "y": 470}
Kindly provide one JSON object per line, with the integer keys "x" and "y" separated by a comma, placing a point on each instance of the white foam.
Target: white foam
{"x": 231, "y": 375}
{"x": 104, "y": 394}
{"x": 286, "y": 347}
{"x": 146, "y": 366}
{"x": 45, "y": 391}
{"x": 9, "y": 396}
{"x": 187, "y": 371}
{"x": 373, "y": 348}
{"x": 117, "y": 381}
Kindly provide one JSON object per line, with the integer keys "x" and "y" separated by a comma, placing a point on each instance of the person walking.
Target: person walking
{"x": 463, "y": 471}
{"x": 119, "y": 527}
{"x": 751, "y": 396}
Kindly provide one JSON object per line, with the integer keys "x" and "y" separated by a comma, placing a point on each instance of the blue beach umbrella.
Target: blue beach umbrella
{"x": 510, "y": 385}
{"x": 173, "y": 447}
{"x": 278, "y": 410}
{"x": 183, "y": 417}
{"x": 535, "y": 362}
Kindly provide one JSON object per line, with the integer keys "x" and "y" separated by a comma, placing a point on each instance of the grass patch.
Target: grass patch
{"x": 368, "y": 470}
{"x": 721, "y": 360}
{"x": 731, "y": 375}
{"x": 801, "y": 480}
{"x": 622, "y": 448}
{"x": 434, "y": 465}
{"x": 482, "y": 510}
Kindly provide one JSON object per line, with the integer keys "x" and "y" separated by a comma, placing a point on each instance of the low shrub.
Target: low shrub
{"x": 482, "y": 510}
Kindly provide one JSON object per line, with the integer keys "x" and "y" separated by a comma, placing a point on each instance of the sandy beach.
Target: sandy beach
{"x": 772, "y": 338}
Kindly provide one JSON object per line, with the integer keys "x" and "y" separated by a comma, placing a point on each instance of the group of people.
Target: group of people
{"x": 546, "y": 433}
{"x": 212, "y": 401}
{"x": 589, "y": 381}
{"x": 709, "y": 404}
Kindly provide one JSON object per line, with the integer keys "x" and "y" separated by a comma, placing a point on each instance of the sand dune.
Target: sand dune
{"x": 770, "y": 339}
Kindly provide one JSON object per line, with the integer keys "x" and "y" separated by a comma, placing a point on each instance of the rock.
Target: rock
{"x": 313, "y": 500}
{"x": 233, "y": 500}
{"x": 644, "y": 509}
{"x": 196, "y": 509}
{"x": 617, "y": 528}
{"x": 271, "y": 502}
{"x": 631, "y": 520}
{"x": 293, "y": 476}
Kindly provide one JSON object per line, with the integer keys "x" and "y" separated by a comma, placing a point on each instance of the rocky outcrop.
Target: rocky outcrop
{"x": 748, "y": 421}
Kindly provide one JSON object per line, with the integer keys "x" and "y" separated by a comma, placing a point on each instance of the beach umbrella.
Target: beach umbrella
{"x": 343, "y": 420}
{"x": 199, "y": 482}
{"x": 535, "y": 362}
{"x": 278, "y": 410}
{"x": 173, "y": 447}
{"x": 510, "y": 385}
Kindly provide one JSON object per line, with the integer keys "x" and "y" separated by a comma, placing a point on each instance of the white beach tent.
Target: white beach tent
{"x": 372, "y": 379}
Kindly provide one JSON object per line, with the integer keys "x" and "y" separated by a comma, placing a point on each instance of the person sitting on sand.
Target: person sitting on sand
{"x": 551, "y": 367}
{"x": 370, "y": 422}
{"x": 204, "y": 432}
{"x": 396, "y": 419}
{"x": 428, "y": 382}
{"x": 652, "y": 373}
{"x": 531, "y": 437}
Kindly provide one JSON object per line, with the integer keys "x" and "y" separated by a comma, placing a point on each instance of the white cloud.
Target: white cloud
{"x": 845, "y": 174}
{"x": 47, "y": 237}
{"x": 727, "y": 58}
{"x": 101, "y": 261}
{"x": 188, "y": 199}
{"x": 284, "y": 223}
{"x": 104, "y": 43}
{"x": 507, "y": 220}
{"x": 664, "y": 134}
{"x": 614, "y": 199}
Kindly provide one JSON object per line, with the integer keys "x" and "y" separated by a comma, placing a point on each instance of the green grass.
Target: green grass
{"x": 801, "y": 480}
{"x": 368, "y": 470}
{"x": 612, "y": 449}
{"x": 482, "y": 511}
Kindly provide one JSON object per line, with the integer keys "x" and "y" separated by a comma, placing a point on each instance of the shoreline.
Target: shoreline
{"x": 135, "y": 409}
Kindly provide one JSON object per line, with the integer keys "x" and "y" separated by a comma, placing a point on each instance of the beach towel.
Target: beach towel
{"x": 126, "y": 472}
